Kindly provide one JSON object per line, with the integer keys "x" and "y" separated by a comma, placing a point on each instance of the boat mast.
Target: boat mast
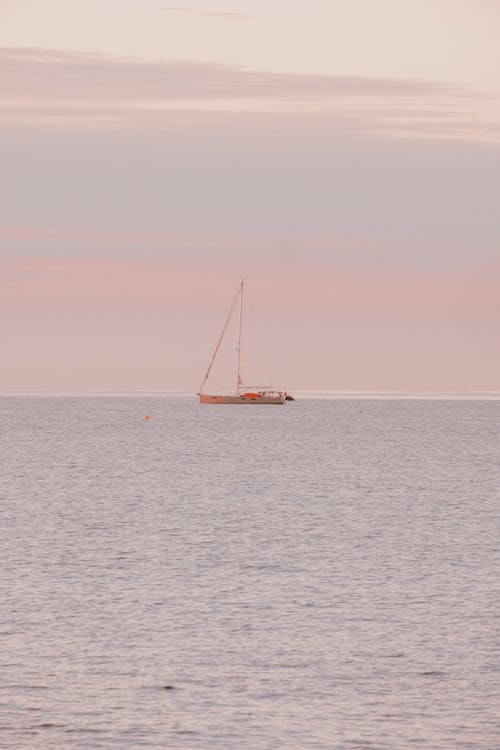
{"x": 238, "y": 376}
{"x": 219, "y": 342}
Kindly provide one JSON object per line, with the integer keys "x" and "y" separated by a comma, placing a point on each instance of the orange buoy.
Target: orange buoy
{"x": 147, "y": 417}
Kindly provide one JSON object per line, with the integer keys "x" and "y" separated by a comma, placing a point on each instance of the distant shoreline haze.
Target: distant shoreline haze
{"x": 319, "y": 394}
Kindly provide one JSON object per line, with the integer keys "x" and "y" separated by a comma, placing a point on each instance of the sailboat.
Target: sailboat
{"x": 242, "y": 394}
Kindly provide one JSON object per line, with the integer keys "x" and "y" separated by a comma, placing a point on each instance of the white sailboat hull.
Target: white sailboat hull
{"x": 206, "y": 398}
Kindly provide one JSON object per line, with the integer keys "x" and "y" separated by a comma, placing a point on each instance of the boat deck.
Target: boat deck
{"x": 206, "y": 398}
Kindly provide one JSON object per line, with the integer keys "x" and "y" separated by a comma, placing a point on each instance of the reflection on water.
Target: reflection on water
{"x": 318, "y": 575}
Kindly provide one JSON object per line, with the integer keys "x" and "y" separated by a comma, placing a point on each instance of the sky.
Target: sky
{"x": 344, "y": 157}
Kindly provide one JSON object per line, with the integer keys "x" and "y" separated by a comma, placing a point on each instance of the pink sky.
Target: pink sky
{"x": 356, "y": 193}
{"x": 131, "y": 324}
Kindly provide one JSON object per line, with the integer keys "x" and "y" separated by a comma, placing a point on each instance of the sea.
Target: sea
{"x": 314, "y": 576}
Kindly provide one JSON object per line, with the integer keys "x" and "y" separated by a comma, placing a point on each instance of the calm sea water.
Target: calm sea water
{"x": 319, "y": 575}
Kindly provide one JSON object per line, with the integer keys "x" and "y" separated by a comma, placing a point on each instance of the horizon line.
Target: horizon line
{"x": 310, "y": 394}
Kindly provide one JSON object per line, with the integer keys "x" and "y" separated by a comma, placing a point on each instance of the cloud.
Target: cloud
{"x": 226, "y": 15}
{"x": 28, "y": 73}
{"x": 40, "y": 85}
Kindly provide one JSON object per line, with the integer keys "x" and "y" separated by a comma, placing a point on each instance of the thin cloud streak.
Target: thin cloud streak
{"x": 28, "y": 72}
{"x": 341, "y": 251}
{"x": 327, "y": 293}
{"x": 226, "y": 15}
{"x": 51, "y": 86}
